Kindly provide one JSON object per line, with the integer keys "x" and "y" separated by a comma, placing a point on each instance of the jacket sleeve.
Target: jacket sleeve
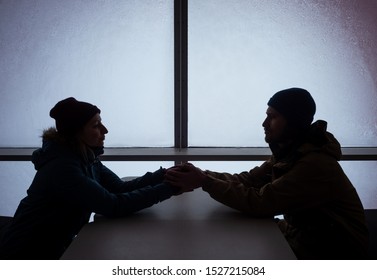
{"x": 99, "y": 200}
{"x": 117, "y": 199}
{"x": 109, "y": 180}
{"x": 307, "y": 183}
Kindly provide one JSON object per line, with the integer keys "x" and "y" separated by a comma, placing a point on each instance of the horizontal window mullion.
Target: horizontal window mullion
{"x": 188, "y": 154}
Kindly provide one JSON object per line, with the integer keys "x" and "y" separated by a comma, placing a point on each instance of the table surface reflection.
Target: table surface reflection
{"x": 191, "y": 226}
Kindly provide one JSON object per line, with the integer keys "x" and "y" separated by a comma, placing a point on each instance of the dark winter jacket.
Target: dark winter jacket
{"x": 324, "y": 217}
{"x": 65, "y": 191}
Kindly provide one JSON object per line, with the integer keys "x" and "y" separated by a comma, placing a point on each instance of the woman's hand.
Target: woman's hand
{"x": 186, "y": 177}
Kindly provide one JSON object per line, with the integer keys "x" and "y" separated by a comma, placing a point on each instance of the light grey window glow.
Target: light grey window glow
{"x": 117, "y": 55}
{"x": 242, "y": 52}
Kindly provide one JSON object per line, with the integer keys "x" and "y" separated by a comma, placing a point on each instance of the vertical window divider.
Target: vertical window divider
{"x": 180, "y": 74}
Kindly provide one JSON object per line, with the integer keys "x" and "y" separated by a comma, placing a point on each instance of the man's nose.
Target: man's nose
{"x": 264, "y": 123}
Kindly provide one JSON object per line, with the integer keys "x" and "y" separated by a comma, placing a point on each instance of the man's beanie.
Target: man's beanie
{"x": 296, "y": 105}
{"x": 71, "y": 115}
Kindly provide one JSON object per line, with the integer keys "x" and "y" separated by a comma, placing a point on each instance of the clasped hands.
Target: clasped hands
{"x": 186, "y": 177}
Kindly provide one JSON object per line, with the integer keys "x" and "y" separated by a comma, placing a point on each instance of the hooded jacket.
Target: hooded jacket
{"x": 65, "y": 191}
{"x": 323, "y": 215}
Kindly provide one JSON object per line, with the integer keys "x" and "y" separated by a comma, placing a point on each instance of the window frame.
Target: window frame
{"x": 182, "y": 152}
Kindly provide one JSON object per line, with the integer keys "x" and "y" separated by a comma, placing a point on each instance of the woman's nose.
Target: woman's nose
{"x": 104, "y": 129}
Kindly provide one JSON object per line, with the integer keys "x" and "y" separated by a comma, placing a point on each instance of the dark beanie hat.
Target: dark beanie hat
{"x": 71, "y": 115}
{"x": 296, "y": 105}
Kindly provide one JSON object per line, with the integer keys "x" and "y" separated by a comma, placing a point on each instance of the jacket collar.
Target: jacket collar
{"x": 315, "y": 139}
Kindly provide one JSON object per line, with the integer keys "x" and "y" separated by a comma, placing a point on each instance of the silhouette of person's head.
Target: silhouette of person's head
{"x": 71, "y": 115}
{"x": 296, "y": 105}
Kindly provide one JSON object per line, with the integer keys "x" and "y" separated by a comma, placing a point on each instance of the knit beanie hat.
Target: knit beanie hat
{"x": 296, "y": 105}
{"x": 71, "y": 115}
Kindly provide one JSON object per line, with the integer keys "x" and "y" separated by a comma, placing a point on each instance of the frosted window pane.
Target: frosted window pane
{"x": 15, "y": 178}
{"x": 135, "y": 168}
{"x": 227, "y": 166}
{"x": 241, "y": 52}
{"x": 117, "y": 55}
{"x": 363, "y": 176}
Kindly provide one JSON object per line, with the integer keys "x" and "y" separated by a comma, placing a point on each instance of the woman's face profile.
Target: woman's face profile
{"x": 93, "y": 133}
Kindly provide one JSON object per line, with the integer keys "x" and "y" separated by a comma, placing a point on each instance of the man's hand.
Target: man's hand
{"x": 186, "y": 177}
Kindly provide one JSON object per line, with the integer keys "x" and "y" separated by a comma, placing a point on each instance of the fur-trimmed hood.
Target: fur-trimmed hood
{"x": 56, "y": 146}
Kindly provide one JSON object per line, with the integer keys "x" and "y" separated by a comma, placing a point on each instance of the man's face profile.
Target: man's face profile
{"x": 274, "y": 126}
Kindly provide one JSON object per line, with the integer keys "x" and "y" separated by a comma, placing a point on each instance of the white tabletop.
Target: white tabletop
{"x": 191, "y": 226}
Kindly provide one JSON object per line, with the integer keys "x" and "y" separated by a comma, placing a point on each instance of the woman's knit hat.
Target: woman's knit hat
{"x": 71, "y": 115}
{"x": 296, "y": 105}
